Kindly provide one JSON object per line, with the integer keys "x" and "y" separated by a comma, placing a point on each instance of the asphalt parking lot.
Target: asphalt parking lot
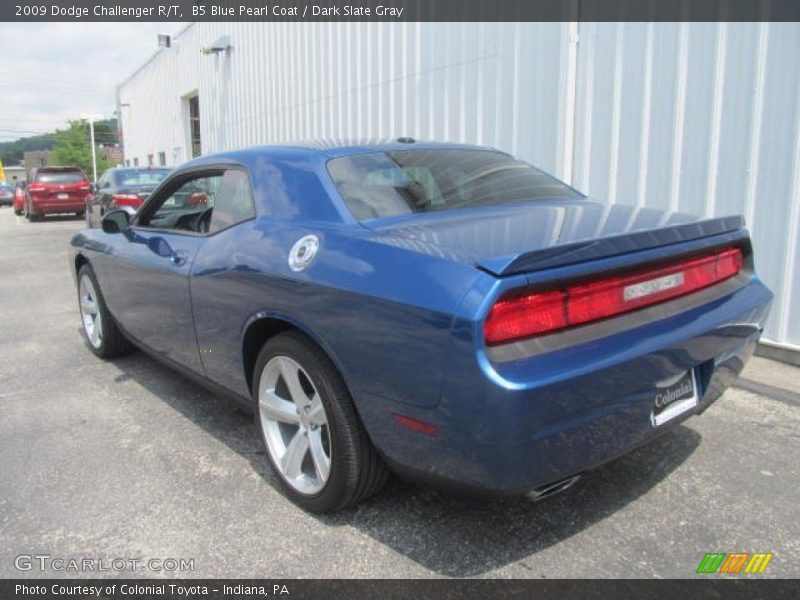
{"x": 127, "y": 459}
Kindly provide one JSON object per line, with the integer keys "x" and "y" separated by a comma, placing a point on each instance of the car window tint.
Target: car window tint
{"x": 387, "y": 184}
{"x": 234, "y": 202}
{"x": 59, "y": 177}
{"x": 132, "y": 177}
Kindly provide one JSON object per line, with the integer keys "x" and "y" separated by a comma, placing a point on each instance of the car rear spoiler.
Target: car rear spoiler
{"x": 578, "y": 252}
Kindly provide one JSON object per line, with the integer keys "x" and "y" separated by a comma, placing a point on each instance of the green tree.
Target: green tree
{"x": 73, "y": 148}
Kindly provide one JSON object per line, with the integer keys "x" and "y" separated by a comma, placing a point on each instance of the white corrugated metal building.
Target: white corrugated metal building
{"x": 696, "y": 117}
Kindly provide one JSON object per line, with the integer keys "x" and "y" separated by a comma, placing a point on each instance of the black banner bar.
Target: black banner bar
{"x": 744, "y": 587}
{"x": 400, "y": 10}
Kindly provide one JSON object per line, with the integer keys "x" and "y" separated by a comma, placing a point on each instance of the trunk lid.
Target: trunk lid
{"x": 510, "y": 239}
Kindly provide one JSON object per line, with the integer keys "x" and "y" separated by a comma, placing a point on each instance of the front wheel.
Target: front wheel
{"x": 314, "y": 439}
{"x": 104, "y": 337}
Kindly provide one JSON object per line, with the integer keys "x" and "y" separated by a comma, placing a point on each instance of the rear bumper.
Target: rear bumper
{"x": 578, "y": 408}
{"x": 62, "y": 206}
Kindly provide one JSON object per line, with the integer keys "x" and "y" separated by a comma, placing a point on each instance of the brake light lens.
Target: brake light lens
{"x": 127, "y": 200}
{"x": 540, "y": 313}
{"x": 36, "y": 187}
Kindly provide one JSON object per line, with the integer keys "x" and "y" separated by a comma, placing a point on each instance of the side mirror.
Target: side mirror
{"x": 116, "y": 221}
{"x": 93, "y": 187}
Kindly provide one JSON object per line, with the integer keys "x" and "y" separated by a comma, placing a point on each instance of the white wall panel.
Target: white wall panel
{"x": 701, "y": 118}
{"x": 697, "y": 117}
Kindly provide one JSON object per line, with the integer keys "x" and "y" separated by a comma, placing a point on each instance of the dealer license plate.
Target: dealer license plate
{"x": 674, "y": 397}
{"x": 63, "y": 196}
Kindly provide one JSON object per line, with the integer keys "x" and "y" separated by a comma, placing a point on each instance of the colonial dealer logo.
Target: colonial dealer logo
{"x": 667, "y": 396}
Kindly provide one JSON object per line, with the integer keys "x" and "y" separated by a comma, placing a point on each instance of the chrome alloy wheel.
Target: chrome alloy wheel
{"x": 294, "y": 425}
{"x": 90, "y": 312}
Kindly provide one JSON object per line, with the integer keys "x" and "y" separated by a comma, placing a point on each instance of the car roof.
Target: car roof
{"x": 332, "y": 148}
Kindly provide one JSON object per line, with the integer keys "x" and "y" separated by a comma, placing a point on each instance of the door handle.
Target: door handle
{"x": 179, "y": 258}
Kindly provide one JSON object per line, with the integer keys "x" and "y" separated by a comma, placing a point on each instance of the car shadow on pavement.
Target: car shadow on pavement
{"x": 56, "y": 219}
{"x": 451, "y": 536}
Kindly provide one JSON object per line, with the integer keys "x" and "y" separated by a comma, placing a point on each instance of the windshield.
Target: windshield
{"x": 132, "y": 177}
{"x": 59, "y": 176}
{"x": 388, "y": 184}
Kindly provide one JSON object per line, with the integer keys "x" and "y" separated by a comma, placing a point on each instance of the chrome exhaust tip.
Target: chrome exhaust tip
{"x": 553, "y": 488}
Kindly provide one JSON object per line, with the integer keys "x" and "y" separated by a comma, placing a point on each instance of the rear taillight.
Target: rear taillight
{"x": 36, "y": 187}
{"x": 126, "y": 200}
{"x": 84, "y": 186}
{"x": 539, "y": 313}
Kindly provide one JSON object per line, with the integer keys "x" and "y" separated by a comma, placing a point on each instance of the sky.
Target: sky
{"x": 53, "y": 72}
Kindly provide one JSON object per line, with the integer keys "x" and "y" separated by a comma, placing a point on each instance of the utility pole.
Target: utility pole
{"x": 92, "y": 119}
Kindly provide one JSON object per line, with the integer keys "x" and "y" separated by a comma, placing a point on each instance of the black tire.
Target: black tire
{"x": 356, "y": 469}
{"x": 17, "y": 212}
{"x": 113, "y": 342}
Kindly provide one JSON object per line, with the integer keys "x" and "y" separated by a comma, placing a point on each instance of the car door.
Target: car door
{"x": 150, "y": 290}
{"x": 223, "y": 290}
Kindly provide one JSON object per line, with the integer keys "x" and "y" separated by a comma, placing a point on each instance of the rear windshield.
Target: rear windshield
{"x": 388, "y": 184}
{"x": 60, "y": 176}
{"x": 134, "y": 177}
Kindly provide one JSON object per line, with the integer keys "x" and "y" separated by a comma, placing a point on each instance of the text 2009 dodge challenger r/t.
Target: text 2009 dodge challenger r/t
{"x": 445, "y": 311}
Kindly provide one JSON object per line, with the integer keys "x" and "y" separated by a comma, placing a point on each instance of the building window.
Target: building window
{"x": 127, "y": 162}
{"x": 162, "y": 159}
{"x": 194, "y": 124}
{"x": 135, "y": 162}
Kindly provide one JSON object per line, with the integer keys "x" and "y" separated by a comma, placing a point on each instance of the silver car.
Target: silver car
{"x": 6, "y": 194}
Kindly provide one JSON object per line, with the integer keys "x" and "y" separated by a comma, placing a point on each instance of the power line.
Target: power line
{"x": 16, "y": 88}
{"x": 61, "y": 83}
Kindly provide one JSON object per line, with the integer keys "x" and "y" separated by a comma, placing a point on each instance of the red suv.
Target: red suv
{"x": 54, "y": 190}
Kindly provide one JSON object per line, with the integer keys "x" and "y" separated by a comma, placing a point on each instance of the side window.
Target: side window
{"x": 234, "y": 202}
{"x": 187, "y": 207}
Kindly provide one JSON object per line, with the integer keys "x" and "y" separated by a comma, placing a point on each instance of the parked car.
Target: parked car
{"x": 19, "y": 198}
{"x": 121, "y": 187}
{"x": 56, "y": 190}
{"x": 6, "y": 194}
{"x": 444, "y": 311}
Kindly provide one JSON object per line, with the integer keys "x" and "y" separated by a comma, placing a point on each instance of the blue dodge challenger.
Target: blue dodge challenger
{"x": 446, "y": 312}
